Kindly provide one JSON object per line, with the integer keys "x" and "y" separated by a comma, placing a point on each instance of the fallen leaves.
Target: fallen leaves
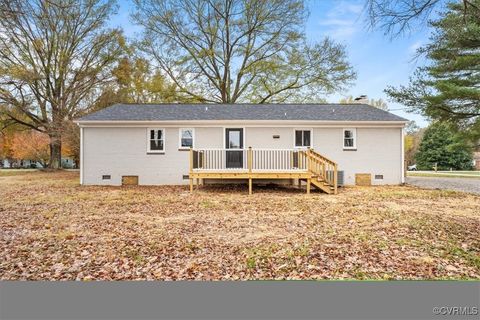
{"x": 52, "y": 228}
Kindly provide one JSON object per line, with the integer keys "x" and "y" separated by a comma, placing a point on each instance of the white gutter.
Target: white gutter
{"x": 260, "y": 123}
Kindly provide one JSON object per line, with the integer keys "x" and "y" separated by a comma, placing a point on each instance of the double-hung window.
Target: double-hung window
{"x": 186, "y": 138}
{"x": 303, "y": 138}
{"x": 349, "y": 139}
{"x": 155, "y": 140}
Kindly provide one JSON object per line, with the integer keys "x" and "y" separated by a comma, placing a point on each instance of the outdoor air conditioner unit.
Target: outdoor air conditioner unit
{"x": 340, "y": 176}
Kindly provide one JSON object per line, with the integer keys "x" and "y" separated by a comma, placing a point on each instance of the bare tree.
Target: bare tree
{"x": 240, "y": 50}
{"x": 398, "y": 17}
{"x": 54, "y": 55}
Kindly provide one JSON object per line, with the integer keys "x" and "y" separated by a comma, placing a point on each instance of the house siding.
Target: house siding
{"x": 208, "y": 137}
{"x": 378, "y": 152}
{"x": 122, "y": 151}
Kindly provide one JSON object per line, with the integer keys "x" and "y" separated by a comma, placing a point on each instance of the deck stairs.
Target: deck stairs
{"x": 323, "y": 172}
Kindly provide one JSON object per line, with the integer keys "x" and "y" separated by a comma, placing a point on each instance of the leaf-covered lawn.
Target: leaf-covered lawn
{"x": 52, "y": 228}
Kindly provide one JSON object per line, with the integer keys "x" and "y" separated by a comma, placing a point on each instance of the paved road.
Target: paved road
{"x": 457, "y": 184}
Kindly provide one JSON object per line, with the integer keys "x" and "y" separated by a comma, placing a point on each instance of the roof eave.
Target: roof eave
{"x": 222, "y": 122}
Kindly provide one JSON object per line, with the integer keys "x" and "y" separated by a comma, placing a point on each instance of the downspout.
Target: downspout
{"x": 402, "y": 136}
{"x": 81, "y": 156}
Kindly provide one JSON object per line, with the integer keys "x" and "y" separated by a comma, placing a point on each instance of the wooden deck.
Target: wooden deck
{"x": 269, "y": 164}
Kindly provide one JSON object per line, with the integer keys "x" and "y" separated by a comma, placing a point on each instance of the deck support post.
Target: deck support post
{"x": 335, "y": 179}
{"x": 249, "y": 159}
{"x": 309, "y": 160}
{"x": 309, "y": 184}
{"x": 191, "y": 185}
{"x": 249, "y": 166}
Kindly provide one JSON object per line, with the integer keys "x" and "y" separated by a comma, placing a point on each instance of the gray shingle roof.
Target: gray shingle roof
{"x": 179, "y": 112}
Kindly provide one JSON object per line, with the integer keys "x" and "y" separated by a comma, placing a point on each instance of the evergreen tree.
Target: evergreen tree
{"x": 440, "y": 145}
{"x": 448, "y": 89}
{"x": 413, "y": 137}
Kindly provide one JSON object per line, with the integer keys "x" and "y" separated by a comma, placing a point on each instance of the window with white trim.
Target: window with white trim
{"x": 156, "y": 140}
{"x": 303, "y": 138}
{"x": 186, "y": 138}
{"x": 349, "y": 138}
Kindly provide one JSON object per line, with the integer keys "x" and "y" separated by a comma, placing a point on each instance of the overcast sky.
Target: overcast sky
{"x": 378, "y": 60}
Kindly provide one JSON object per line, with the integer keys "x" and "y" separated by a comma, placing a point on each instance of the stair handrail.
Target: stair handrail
{"x": 315, "y": 156}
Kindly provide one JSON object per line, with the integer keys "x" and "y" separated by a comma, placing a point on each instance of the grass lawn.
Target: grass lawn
{"x": 445, "y": 174}
{"x": 15, "y": 172}
{"x": 52, "y": 228}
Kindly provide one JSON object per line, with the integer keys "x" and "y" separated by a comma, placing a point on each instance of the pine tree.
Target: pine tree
{"x": 448, "y": 88}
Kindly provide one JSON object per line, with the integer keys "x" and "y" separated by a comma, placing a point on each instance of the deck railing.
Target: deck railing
{"x": 264, "y": 160}
{"x": 219, "y": 159}
{"x": 278, "y": 159}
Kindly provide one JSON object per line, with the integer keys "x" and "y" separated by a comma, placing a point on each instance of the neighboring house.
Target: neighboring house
{"x": 67, "y": 163}
{"x": 151, "y": 144}
{"x": 14, "y": 163}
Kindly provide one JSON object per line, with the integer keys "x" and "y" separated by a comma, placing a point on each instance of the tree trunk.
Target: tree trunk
{"x": 55, "y": 152}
